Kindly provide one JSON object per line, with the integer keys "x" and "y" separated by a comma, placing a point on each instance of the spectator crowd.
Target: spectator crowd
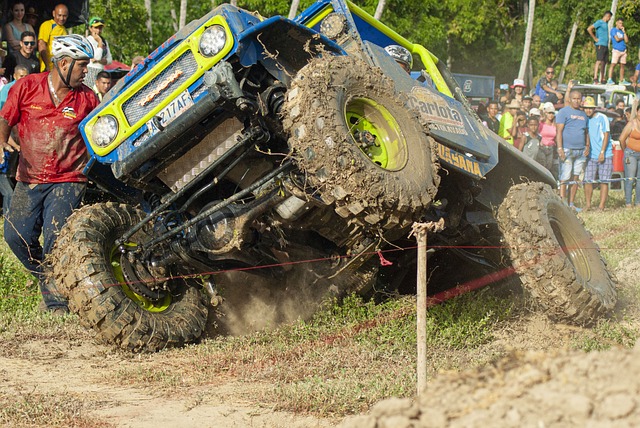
{"x": 567, "y": 131}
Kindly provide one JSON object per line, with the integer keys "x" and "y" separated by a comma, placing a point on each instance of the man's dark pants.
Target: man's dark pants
{"x": 37, "y": 208}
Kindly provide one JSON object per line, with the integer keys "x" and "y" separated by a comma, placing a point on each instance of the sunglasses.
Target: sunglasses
{"x": 29, "y": 43}
{"x": 548, "y": 72}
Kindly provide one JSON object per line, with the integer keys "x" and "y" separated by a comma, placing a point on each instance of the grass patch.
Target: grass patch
{"x": 47, "y": 410}
{"x": 607, "y": 334}
{"x": 344, "y": 359}
{"x": 617, "y": 231}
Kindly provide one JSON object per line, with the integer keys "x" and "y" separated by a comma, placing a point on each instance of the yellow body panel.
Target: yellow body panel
{"x": 125, "y": 129}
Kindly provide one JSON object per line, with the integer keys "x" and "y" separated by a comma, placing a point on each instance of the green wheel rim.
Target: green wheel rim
{"x": 364, "y": 115}
{"x": 146, "y": 304}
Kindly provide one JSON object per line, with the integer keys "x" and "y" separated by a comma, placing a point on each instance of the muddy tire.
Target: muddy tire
{"x": 555, "y": 256}
{"x": 334, "y": 110}
{"x": 85, "y": 268}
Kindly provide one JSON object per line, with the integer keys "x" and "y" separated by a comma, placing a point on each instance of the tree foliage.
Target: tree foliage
{"x": 473, "y": 36}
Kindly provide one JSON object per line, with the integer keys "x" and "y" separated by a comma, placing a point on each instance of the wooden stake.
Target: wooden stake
{"x": 420, "y": 232}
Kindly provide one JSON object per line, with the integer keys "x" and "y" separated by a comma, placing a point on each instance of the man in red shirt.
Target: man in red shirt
{"x": 47, "y": 108}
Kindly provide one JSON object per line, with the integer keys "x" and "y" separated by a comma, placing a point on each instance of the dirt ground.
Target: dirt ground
{"x": 539, "y": 383}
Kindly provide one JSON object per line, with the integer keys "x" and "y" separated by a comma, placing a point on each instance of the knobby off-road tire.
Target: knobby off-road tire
{"x": 330, "y": 100}
{"x": 85, "y": 266}
{"x": 555, "y": 256}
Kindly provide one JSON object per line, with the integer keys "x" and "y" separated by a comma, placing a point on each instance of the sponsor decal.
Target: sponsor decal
{"x": 459, "y": 160}
{"x": 435, "y": 110}
{"x": 35, "y": 107}
{"x": 69, "y": 113}
{"x": 162, "y": 86}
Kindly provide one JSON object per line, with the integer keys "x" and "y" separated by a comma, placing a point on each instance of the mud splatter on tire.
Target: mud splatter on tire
{"x": 555, "y": 256}
{"x": 329, "y": 100}
{"x": 83, "y": 271}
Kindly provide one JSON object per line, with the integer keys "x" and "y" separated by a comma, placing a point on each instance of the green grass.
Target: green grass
{"x": 344, "y": 359}
{"x": 19, "y": 297}
{"x": 607, "y": 334}
{"x": 617, "y": 230}
{"x": 32, "y": 409}
{"x": 349, "y": 355}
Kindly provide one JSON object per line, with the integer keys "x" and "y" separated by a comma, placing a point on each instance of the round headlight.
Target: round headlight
{"x": 105, "y": 131}
{"x": 212, "y": 40}
{"x": 333, "y": 25}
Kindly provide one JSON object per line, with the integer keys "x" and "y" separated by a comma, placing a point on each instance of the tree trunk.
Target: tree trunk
{"x": 567, "y": 53}
{"x": 449, "y": 59}
{"x": 527, "y": 40}
{"x": 147, "y": 6}
{"x": 293, "y": 11}
{"x": 380, "y": 9}
{"x": 174, "y": 20}
{"x": 612, "y": 21}
{"x": 183, "y": 13}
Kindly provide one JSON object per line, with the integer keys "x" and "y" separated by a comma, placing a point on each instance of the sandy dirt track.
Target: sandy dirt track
{"x": 538, "y": 384}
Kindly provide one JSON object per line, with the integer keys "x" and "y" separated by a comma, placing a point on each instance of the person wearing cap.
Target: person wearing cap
{"x": 518, "y": 89}
{"x": 601, "y": 40}
{"x": 13, "y": 29}
{"x": 101, "y": 49}
{"x": 600, "y": 160}
{"x": 508, "y": 124}
{"x": 100, "y": 46}
{"x": 572, "y": 141}
{"x": 526, "y": 104}
{"x": 547, "y": 130}
{"x": 46, "y": 109}
{"x": 48, "y": 30}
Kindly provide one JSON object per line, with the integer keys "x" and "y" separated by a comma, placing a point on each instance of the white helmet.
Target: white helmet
{"x": 400, "y": 54}
{"x": 74, "y": 46}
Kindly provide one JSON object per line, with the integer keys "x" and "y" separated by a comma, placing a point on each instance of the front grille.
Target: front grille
{"x": 132, "y": 108}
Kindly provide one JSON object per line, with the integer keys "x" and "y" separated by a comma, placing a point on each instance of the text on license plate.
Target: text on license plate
{"x": 165, "y": 116}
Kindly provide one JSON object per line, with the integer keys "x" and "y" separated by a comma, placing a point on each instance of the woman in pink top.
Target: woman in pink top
{"x": 547, "y": 131}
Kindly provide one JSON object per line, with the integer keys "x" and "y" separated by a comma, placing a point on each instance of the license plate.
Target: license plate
{"x": 165, "y": 116}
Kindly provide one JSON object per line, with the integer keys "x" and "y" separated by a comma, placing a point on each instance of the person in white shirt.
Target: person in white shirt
{"x": 101, "y": 49}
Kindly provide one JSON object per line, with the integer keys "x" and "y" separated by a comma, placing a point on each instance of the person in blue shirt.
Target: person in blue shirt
{"x": 600, "y": 161}
{"x": 572, "y": 141}
{"x": 601, "y": 40}
{"x": 6, "y": 184}
{"x": 619, "y": 42}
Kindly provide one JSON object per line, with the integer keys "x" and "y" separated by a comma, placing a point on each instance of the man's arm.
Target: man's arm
{"x": 43, "y": 49}
{"x": 587, "y": 142}
{"x": 559, "y": 129}
{"x": 590, "y": 29}
{"x": 5, "y": 132}
{"x": 605, "y": 143}
{"x": 547, "y": 88}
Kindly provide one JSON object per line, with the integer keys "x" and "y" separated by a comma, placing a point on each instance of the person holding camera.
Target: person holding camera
{"x": 619, "y": 42}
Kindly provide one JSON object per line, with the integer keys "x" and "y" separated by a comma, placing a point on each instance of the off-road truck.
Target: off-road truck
{"x": 245, "y": 141}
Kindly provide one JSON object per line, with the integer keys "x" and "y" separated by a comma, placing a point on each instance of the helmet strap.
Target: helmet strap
{"x": 66, "y": 80}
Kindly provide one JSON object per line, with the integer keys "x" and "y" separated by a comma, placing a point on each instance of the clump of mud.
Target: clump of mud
{"x": 599, "y": 389}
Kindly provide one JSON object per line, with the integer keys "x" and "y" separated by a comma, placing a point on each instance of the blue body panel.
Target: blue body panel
{"x": 463, "y": 143}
